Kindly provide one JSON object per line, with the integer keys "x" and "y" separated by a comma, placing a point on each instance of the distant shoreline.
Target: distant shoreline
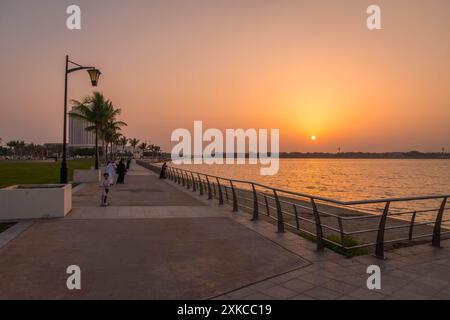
{"x": 364, "y": 155}
{"x": 349, "y": 155}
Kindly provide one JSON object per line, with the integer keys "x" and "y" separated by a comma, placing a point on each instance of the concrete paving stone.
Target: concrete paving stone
{"x": 279, "y": 292}
{"x": 416, "y": 270}
{"x": 419, "y": 288}
{"x": 367, "y": 260}
{"x": 444, "y": 293}
{"x": 308, "y": 269}
{"x": 347, "y": 262}
{"x": 435, "y": 281}
{"x": 405, "y": 294}
{"x": 317, "y": 277}
{"x": 339, "y": 286}
{"x": 298, "y": 285}
{"x": 223, "y": 297}
{"x": 283, "y": 278}
{"x": 302, "y": 297}
{"x": 302, "y": 271}
{"x": 444, "y": 261}
{"x": 354, "y": 280}
{"x": 327, "y": 265}
{"x": 401, "y": 274}
{"x": 439, "y": 269}
{"x": 241, "y": 293}
{"x": 257, "y": 296}
{"x": 366, "y": 294}
{"x": 341, "y": 271}
{"x": 396, "y": 263}
{"x": 389, "y": 282}
{"x": 262, "y": 285}
{"x": 346, "y": 297}
{"x": 392, "y": 255}
{"x": 321, "y": 293}
{"x": 390, "y": 288}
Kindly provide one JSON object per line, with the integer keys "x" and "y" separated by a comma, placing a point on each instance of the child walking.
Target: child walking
{"x": 105, "y": 185}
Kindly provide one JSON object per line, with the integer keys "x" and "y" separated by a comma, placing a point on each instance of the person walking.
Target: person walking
{"x": 105, "y": 185}
{"x": 121, "y": 170}
{"x": 162, "y": 175}
{"x": 111, "y": 171}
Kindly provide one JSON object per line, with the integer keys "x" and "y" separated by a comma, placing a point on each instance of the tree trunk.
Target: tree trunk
{"x": 105, "y": 152}
{"x": 96, "y": 148}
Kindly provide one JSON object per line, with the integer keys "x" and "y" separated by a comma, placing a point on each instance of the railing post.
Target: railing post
{"x": 235, "y": 201}
{"x": 341, "y": 232}
{"x": 188, "y": 185}
{"x": 219, "y": 189}
{"x": 267, "y": 205}
{"x": 436, "y": 242}
{"x": 319, "y": 232}
{"x": 296, "y": 217}
{"x": 226, "y": 193}
{"x": 280, "y": 219}
{"x": 200, "y": 184}
{"x": 178, "y": 177}
{"x": 411, "y": 226}
{"x": 194, "y": 187}
{"x": 183, "y": 182}
{"x": 379, "y": 251}
{"x": 255, "y": 204}
{"x": 209, "y": 188}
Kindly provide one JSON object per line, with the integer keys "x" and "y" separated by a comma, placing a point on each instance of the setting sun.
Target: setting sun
{"x": 313, "y": 138}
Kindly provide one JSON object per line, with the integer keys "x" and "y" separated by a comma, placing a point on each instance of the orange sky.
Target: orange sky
{"x": 305, "y": 67}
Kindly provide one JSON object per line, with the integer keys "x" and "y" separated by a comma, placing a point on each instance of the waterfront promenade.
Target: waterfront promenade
{"x": 160, "y": 241}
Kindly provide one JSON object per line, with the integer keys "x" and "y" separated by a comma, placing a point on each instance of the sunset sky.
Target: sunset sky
{"x": 309, "y": 68}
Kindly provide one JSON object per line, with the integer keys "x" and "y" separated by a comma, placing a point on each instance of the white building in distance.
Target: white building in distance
{"x": 78, "y": 136}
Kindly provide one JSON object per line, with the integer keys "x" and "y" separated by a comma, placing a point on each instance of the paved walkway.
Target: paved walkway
{"x": 169, "y": 246}
{"x": 159, "y": 240}
{"x": 418, "y": 272}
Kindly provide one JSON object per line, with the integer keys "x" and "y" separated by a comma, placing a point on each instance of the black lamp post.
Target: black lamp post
{"x": 94, "y": 74}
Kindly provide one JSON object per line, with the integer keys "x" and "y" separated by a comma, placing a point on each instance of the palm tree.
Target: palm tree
{"x": 143, "y": 146}
{"x": 110, "y": 126}
{"x": 134, "y": 142}
{"x": 111, "y": 133}
{"x": 123, "y": 142}
{"x": 93, "y": 109}
{"x": 12, "y": 145}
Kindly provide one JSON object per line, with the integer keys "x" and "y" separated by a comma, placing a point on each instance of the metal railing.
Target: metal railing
{"x": 349, "y": 225}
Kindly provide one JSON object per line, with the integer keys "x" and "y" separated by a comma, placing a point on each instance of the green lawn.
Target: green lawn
{"x": 12, "y": 173}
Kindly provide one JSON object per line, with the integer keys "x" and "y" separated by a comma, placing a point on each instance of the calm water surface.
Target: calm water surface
{"x": 347, "y": 179}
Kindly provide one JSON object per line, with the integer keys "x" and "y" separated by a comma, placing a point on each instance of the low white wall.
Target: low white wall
{"x": 35, "y": 202}
{"x": 86, "y": 175}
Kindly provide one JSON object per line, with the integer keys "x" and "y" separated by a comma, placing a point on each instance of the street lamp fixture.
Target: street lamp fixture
{"x": 94, "y": 74}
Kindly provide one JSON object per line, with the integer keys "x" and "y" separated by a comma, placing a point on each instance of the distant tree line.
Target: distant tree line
{"x": 21, "y": 149}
